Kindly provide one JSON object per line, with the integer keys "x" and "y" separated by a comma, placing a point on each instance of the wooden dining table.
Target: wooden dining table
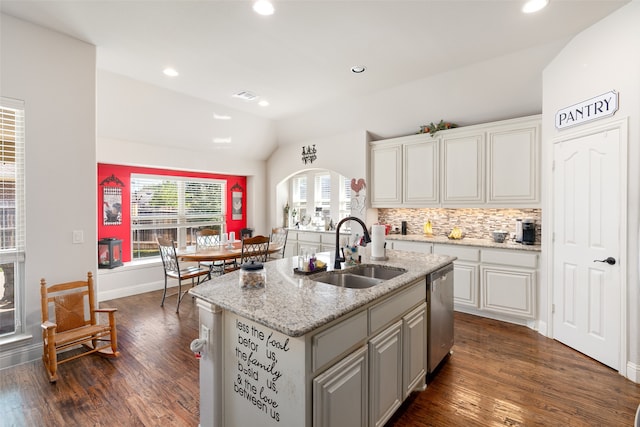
{"x": 222, "y": 253}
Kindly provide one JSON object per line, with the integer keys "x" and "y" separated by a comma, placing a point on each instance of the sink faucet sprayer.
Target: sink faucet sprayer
{"x": 367, "y": 238}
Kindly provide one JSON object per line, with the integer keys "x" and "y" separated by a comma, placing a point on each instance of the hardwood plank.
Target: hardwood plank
{"x": 499, "y": 374}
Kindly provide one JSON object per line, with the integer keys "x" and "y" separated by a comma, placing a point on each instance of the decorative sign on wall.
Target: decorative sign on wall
{"x": 112, "y": 200}
{"x": 236, "y": 202}
{"x": 599, "y": 107}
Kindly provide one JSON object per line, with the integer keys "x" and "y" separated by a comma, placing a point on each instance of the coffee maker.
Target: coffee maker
{"x": 528, "y": 231}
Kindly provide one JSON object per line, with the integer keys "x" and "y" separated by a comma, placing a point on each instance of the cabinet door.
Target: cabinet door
{"x": 463, "y": 169}
{"x": 465, "y": 284}
{"x": 414, "y": 354}
{"x": 508, "y": 291}
{"x": 421, "y": 173}
{"x": 340, "y": 395}
{"x": 386, "y": 175}
{"x": 385, "y": 357}
{"x": 513, "y": 176}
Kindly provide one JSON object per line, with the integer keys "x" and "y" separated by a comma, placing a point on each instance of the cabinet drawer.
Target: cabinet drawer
{"x": 330, "y": 238}
{"x": 511, "y": 258}
{"x": 464, "y": 253}
{"x": 401, "y": 245}
{"x": 333, "y": 342}
{"x": 308, "y": 238}
{"x": 393, "y": 308}
{"x": 292, "y": 236}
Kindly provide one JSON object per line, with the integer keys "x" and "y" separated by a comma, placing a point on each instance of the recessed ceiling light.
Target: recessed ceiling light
{"x": 226, "y": 140}
{"x": 532, "y": 6}
{"x": 263, "y": 103}
{"x": 263, "y": 7}
{"x": 358, "y": 69}
{"x": 221, "y": 116}
{"x": 170, "y": 72}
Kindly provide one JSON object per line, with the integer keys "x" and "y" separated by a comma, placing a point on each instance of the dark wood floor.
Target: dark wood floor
{"x": 498, "y": 375}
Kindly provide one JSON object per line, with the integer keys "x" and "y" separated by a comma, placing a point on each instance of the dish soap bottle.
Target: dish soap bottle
{"x": 428, "y": 231}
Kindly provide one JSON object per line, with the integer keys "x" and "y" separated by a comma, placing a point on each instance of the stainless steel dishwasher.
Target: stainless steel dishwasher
{"x": 439, "y": 317}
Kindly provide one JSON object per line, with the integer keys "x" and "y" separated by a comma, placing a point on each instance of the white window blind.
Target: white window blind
{"x": 174, "y": 208}
{"x": 12, "y": 215}
{"x": 323, "y": 191}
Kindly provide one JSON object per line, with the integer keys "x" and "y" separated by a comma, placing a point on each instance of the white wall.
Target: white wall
{"x": 604, "y": 57}
{"x": 55, "y": 76}
{"x": 144, "y": 125}
{"x": 345, "y": 154}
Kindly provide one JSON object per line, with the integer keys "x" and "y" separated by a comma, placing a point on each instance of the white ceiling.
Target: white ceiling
{"x": 299, "y": 59}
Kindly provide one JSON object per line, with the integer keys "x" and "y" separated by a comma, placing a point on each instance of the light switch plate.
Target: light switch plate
{"x": 204, "y": 333}
{"x": 78, "y": 236}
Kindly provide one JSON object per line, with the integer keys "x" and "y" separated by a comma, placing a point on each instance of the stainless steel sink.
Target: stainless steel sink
{"x": 360, "y": 277}
{"x": 346, "y": 280}
{"x": 376, "y": 271}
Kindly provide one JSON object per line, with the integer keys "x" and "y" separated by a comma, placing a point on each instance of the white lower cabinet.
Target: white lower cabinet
{"x": 502, "y": 282}
{"x": 340, "y": 395}
{"x": 414, "y": 353}
{"x": 369, "y": 384}
{"x": 385, "y": 378}
{"x": 508, "y": 291}
{"x": 465, "y": 287}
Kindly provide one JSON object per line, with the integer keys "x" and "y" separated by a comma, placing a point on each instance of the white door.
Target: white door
{"x": 587, "y": 209}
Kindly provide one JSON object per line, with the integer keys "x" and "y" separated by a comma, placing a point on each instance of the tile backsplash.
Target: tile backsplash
{"x": 475, "y": 223}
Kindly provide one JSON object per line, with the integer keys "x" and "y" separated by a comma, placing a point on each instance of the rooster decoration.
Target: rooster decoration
{"x": 358, "y": 185}
{"x": 357, "y": 201}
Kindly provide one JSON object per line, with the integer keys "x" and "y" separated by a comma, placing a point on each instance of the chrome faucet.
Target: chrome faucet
{"x": 367, "y": 239}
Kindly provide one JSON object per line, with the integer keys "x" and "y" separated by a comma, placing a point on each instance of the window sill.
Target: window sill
{"x": 15, "y": 339}
{"x": 131, "y": 266}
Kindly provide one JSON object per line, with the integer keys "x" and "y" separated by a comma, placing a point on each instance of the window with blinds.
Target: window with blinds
{"x": 299, "y": 196}
{"x": 174, "y": 208}
{"x": 323, "y": 193}
{"x": 12, "y": 215}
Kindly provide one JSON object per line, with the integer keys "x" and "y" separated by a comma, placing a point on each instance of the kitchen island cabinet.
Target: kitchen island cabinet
{"x": 295, "y": 352}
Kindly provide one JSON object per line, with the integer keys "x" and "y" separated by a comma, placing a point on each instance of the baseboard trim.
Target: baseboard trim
{"x": 633, "y": 372}
{"x": 132, "y": 290}
{"x": 18, "y": 356}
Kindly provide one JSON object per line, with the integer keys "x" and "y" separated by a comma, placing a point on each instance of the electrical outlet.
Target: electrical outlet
{"x": 78, "y": 236}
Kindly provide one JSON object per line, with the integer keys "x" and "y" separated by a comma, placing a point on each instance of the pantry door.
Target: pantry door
{"x": 589, "y": 204}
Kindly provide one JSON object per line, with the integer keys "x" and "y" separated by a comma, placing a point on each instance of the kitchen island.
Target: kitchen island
{"x": 300, "y": 352}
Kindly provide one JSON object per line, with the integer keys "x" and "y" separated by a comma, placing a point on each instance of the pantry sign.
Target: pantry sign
{"x": 599, "y": 107}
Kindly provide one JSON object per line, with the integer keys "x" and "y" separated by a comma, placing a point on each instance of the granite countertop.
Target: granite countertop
{"x": 484, "y": 243}
{"x": 296, "y": 304}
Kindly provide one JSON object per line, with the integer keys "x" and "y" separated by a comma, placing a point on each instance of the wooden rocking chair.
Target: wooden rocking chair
{"x": 73, "y": 323}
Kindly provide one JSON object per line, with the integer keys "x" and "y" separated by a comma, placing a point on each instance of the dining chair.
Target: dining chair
{"x": 69, "y": 321}
{"x": 279, "y": 237}
{"x": 253, "y": 249}
{"x": 173, "y": 270}
{"x": 209, "y": 238}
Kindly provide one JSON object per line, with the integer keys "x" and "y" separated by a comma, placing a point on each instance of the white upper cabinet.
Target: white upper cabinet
{"x": 421, "y": 174}
{"x": 405, "y": 172}
{"x": 488, "y": 165}
{"x": 386, "y": 175}
{"x": 463, "y": 168}
{"x": 513, "y": 165}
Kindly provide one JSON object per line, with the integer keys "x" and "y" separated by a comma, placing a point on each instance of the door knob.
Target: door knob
{"x": 609, "y": 260}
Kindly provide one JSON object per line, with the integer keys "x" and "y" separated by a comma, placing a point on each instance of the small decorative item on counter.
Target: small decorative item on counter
{"x": 432, "y": 129}
{"x": 456, "y": 234}
{"x": 499, "y": 236}
{"x": 252, "y": 275}
{"x": 351, "y": 255}
{"x": 428, "y": 229}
